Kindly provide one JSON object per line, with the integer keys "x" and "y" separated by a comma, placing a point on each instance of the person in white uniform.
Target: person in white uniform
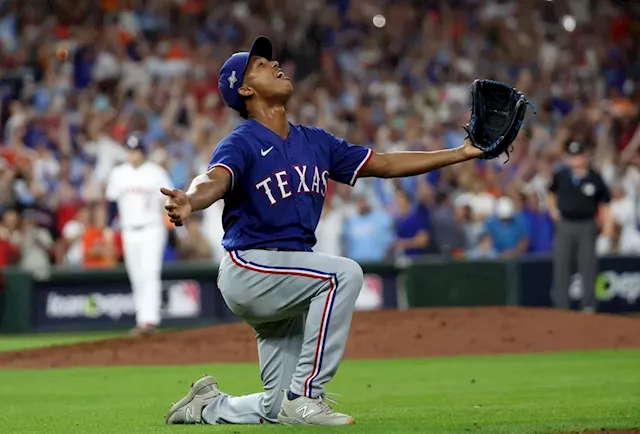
{"x": 133, "y": 189}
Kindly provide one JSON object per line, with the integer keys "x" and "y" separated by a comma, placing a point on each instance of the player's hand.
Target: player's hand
{"x": 470, "y": 150}
{"x": 177, "y": 205}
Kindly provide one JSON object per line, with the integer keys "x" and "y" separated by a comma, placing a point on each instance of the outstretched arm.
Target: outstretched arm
{"x": 204, "y": 190}
{"x": 400, "y": 164}
{"x": 208, "y": 188}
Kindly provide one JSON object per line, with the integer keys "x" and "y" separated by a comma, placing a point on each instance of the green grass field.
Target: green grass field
{"x": 499, "y": 394}
{"x": 18, "y": 342}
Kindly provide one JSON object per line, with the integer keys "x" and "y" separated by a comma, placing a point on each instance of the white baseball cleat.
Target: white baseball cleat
{"x": 311, "y": 411}
{"x": 189, "y": 409}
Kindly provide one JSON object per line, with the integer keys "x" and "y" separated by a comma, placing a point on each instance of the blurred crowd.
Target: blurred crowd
{"x": 76, "y": 77}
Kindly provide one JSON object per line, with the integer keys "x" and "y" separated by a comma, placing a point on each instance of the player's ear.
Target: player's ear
{"x": 246, "y": 91}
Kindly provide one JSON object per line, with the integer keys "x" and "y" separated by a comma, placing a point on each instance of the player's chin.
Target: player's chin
{"x": 286, "y": 90}
{"x": 285, "y": 85}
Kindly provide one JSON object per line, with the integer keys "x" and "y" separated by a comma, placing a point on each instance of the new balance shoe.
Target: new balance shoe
{"x": 310, "y": 411}
{"x": 189, "y": 409}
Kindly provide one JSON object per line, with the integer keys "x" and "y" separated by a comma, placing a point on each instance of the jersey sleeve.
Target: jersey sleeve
{"x": 604, "y": 195}
{"x": 164, "y": 180}
{"x": 553, "y": 185}
{"x": 231, "y": 155}
{"x": 347, "y": 160}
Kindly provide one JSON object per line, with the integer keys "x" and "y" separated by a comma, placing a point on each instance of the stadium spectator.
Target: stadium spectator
{"x": 539, "y": 225}
{"x": 212, "y": 229}
{"x": 9, "y": 238}
{"x": 413, "y": 232}
{"x": 71, "y": 89}
{"x": 36, "y": 245}
{"x": 70, "y": 249}
{"x": 477, "y": 197}
{"x": 368, "y": 234}
{"x": 507, "y": 229}
{"x": 192, "y": 244}
{"x": 624, "y": 212}
{"x": 484, "y": 249}
{"x": 472, "y": 226}
{"x": 99, "y": 243}
{"x": 447, "y": 231}
{"x": 329, "y": 231}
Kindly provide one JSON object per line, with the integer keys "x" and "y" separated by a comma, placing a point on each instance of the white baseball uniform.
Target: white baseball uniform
{"x": 144, "y": 233}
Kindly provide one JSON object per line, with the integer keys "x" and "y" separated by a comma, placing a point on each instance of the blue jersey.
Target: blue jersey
{"x": 279, "y": 185}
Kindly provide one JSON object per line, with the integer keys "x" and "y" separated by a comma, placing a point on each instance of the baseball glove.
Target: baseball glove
{"x": 497, "y": 113}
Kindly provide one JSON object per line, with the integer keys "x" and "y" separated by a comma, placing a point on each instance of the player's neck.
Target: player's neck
{"x": 580, "y": 171}
{"x": 274, "y": 118}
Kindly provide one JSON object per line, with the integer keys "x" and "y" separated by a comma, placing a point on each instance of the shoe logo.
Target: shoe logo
{"x": 264, "y": 152}
{"x": 189, "y": 415}
{"x": 304, "y": 411}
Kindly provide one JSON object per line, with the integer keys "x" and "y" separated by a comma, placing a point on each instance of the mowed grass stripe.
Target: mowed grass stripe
{"x": 20, "y": 342}
{"x": 493, "y": 394}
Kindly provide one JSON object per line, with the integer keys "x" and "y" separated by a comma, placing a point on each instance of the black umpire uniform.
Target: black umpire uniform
{"x": 576, "y": 192}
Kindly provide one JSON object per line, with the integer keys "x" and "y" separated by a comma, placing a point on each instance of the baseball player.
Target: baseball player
{"x": 273, "y": 177}
{"x": 132, "y": 189}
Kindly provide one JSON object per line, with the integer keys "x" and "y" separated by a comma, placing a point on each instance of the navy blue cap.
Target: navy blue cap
{"x": 577, "y": 147}
{"x": 232, "y": 73}
{"x": 135, "y": 141}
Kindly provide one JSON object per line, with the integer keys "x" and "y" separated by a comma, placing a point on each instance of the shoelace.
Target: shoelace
{"x": 326, "y": 399}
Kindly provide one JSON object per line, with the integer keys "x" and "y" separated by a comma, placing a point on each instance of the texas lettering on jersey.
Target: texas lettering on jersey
{"x": 316, "y": 183}
{"x": 279, "y": 184}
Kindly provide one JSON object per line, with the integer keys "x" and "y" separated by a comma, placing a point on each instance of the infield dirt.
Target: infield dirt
{"x": 374, "y": 335}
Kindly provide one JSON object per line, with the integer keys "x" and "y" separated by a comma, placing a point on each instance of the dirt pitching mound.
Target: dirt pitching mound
{"x": 381, "y": 334}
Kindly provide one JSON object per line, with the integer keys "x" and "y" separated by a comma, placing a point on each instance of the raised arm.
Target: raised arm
{"x": 400, "y": 164}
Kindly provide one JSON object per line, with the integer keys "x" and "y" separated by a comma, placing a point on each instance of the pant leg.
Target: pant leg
{"x": 563, "y": 254}
{"x": 327, "y": 329}
{"x": 151, "y": 253}
{"x": 279, "y": 345}
{"x": 588, "y": 263}
{"x": 133, "y": 258}
{"x": 266, "y": 287}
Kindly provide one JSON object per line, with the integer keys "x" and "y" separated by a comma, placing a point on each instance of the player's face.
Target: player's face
{"x": 265, "y": 79}
{"x": 579, "y": 161}
{"x": 136, "y": 158}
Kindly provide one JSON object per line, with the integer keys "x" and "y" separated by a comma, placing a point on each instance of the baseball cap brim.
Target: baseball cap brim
{"x": 261, "y": 47}
{"x": 575, "y": 148}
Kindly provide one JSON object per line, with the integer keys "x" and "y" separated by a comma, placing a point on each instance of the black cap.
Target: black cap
{"x": 576, "y": 147}
{"x": 135, "y": 141}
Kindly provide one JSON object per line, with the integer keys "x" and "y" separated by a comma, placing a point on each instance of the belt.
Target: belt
{"x": 578, "y": 219}
{"x": 136, "y": 228}
{"x": 271, "y": 249}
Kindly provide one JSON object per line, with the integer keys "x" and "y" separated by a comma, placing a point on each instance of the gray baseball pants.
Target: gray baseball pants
{"x": 575, "y": 244}
{"x": 300, "y": 304}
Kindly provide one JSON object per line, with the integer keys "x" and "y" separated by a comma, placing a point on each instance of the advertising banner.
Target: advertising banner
{"x": 617, "y": 285}
{"x": 378, "y": 291}
{"x": 71, "y": 305}
{"x": 83, "y": 304}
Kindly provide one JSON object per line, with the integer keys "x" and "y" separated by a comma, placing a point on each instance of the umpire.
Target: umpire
{"x": 576, "y": 192}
